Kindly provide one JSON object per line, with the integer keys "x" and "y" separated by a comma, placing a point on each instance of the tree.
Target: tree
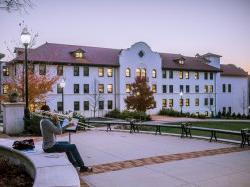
{"x": 15, "y": 5}
{"x": 141, "y": 96}
{"x": 95, "y": 98}
{"x": 38, "y": 85}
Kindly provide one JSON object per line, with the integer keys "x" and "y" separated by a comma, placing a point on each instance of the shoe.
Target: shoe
{"x": 86, "y": 169}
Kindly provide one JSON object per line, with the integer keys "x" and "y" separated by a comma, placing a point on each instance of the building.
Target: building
{"x": 100, "y": 78}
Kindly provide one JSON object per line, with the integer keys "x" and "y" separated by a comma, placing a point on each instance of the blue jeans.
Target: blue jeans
{"x": 71, "y": 151}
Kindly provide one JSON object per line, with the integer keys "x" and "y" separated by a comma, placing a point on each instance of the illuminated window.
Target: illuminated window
{"x": 143, "y": 73}
{"x": 154, "y": 73}
{"x": 60, "y": 70}
{"x": 154, "y": 88}
{"x": 187, "y": 75}
{"x": 181, "y": 74}
{"x": 197, "y": 102}
{"x": 138, "y": 72}
{"x": 42, "y": 69}
{"x": 6, "y": 71}
{"x": 76, "y": 70}
{"x": 110, "y": 72}
{"x": 211, "y": 89}
{"x": 206, "y": 88}
{"x": 164, "y": 103}
{"x": 127, "y": 72}
{"x": 171, "y": 103}
{"x": 196, "y": 75}
{"x": 100, "y": 72}
{"x": 101, "y": 88}
{"x": 110, "y": 88}
{"x": 187, "y": 102}
{"x": 181, "y": 102}
{"x": 78, "y": 54}
{"x": 128, "y": 88}
{"x": 181, "y": 61}
{"x": 5, "y": 88}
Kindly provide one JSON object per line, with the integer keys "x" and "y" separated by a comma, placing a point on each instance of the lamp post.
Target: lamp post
{"x": 62, "y": 85}
{"x": 25, "y": 39}
{"x": 181, "y": 94}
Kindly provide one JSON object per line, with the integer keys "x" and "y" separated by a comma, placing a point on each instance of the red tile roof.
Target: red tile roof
{"x": 232, "y": 70}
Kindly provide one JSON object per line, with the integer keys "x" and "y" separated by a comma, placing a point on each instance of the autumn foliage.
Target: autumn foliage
{"x": 141, "y": 96}
{"x": 38, "y": 87}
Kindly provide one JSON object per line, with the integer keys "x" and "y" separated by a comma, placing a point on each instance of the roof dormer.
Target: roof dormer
{"x": 180, "y": 60}
{"x": 79, "y": 53}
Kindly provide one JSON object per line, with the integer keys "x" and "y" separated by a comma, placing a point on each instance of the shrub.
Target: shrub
{"x": 248, "y": 116}
{"x": 128, "y": 114}
{"x": 33, "y": 124}
{"x": 238, "y": 116}
{"x": 228, "y": 115}
{"x": 219, "y": 114}
{"x": 234, "y": 115}
{"x": 113, "y": 114}
{"x": 244, "y": 116}
{"x": 202, "y": 116}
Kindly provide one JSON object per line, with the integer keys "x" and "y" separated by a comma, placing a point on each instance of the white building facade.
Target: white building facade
{"x": 98, "y": 79}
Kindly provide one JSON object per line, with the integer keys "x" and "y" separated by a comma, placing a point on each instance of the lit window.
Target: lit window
{"x": 5, "y": 88}
{"x": 127, "y": 72}
{"x": 128, "y": 88}
{"x": 171, "y": 103}
{"x": 181, "y": 102}
{"x": 164, "y": 103}
{"x": 187, "y": 102}
{"x": 154, "y": 88}
{"x": 60, "y": 70}
{"x": 154, "y": 73}
{"x": 187, "y": 75}
{"x": 100, "y": 72}
{"x": 42, "y": 69}
{"x": 110, "y": 88}
{"x": 6, "y": 71}
{"x": 143, "y": 73}
{"x": 79, "y": 54}
{"x": 211, "y": 89}
{"x": 181, "y": 74}
{"x": 181, "y": 61}
{"x": 110, "y": 72}
{"x": 197, "y": 102}
{"x": 196, "y": 75}
{"x": 101, "y": 88}
{"x": 138, "y": 72}
{"x": 206, "y": 88}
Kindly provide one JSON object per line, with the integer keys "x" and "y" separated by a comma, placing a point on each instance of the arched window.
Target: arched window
{"x": 143, "y": 73}
{"x": 127, "y": 72}
{"x": 138, "y": 72}
{"x": 154, "y": 73}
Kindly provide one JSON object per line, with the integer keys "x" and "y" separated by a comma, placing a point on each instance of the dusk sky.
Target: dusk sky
{"x": 178, "y": 26}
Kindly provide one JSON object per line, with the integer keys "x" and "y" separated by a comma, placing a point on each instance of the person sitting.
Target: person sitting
{"x": 52, "y": 127}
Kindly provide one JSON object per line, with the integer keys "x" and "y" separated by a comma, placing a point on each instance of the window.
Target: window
{"x": 181, "y": 102}
{"x": 86, "y": 71}
{"x": 154, "y": 73}
{"x": 76, "y": 105}
{"x": 229, "y": 88}
{"x": 181, "y": 88}
{"x": 138, "y": 72}
{"x": 154, "y": 104}
{"x": 143, "y": 73}
{"x": 197, "y": 88}
{"x": 196, "y": 75}
{"x": 181, "y": 74}
{"x": 164, "y": 88}
{"x": 59, "y": 106}
{"x": 211, "y": 76}
{"x": 187, "y": 102}
{"x": 110, "y": 104}
{"x": 86, "y": 105}
{"x": 42, "y": 69}
{"x": 76, "y": 88}
{"x": 206, "y": 101}
{"x": 59, "y": 89}
{"x": 127, "y": 72}
{"x": 76, "y": 70}
{"x": 171, "y": 74}
{"x": 164, "y": 103}
{"x": 128, "y": 88}
{"x": 32, "y": 68}
{"x": 101, "y": 88}
{"x": 171, "y": 88}
{"x": 100, "y": 72}
{"x": 60, "y": 70}
{"x": 6, "y": 71}
{"x": 206, "y": 88}
{"x": 171, "y": 103}
{"x": 224, "y": 110}
{"x": 110, "y": 72}
{"x": 86, "y": 88}
{"x": 223, "y": 88}
{"x": 205, "y": 75}
{"x": 211, "y": 89}
{"x": 164, "y": 74}
{"x": 187, "y": 88}
{"x": 197, "y": 102}
{"x": 229, "y": 110}
{"x": 187, "y": 75}
{"x": 154, "y": 88}
{"x": 78, "y": 54}
{"x": 110, "y": 88}
{"x": 101, "y": 105}
{"x": 5, "y": 88}
{"x": 211, "y": 101}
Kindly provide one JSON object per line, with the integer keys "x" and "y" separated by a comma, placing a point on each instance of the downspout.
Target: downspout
{"x": 115, "y": 85}
{"x": 215, "y": 94}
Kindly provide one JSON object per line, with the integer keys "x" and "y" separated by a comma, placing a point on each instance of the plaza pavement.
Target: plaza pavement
{"x": 123, "y": 159}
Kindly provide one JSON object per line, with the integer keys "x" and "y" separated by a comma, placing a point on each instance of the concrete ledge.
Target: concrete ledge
{"x": 51, "y": 169}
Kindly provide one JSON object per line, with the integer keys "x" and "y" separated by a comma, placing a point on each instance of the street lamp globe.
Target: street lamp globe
{"x": 62, "y": 83}
{"x": 25, "y": 37}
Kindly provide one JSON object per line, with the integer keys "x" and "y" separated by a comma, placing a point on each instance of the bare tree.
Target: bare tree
{"x": 15, "y": 5}
{"x": 95, "y": 98}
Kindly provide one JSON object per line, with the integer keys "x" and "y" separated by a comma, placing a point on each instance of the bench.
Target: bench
{"x": 245, "y": 134}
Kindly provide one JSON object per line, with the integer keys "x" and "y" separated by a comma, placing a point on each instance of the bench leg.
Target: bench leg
{"x": 182, "y": 132}
{"x": 215, "y": 136}
{"x": 108, "y": 127}
{"x": 132, "y": 128}
{"x": 69, "y": 137}
{"x": 212, "y": 135}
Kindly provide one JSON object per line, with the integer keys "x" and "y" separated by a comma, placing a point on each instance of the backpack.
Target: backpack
{"x": 27, "y": 144}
